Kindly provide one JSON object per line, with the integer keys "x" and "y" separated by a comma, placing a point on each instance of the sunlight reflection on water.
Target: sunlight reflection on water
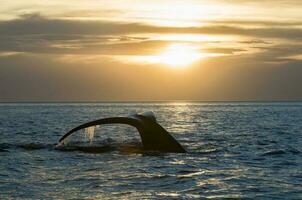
{"x": 235, "y": 150}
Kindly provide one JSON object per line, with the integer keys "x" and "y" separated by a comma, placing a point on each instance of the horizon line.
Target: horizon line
{"x": 158, "y": 101}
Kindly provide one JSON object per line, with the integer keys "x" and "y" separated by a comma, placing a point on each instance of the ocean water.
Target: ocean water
{"x": 235, "y": 151}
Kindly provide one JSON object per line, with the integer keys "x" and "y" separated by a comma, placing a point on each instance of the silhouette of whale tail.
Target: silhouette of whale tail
{"x": 154, "y": 137}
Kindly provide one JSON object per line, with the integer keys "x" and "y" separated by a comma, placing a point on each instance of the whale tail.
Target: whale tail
{"x": 154, "y": 137}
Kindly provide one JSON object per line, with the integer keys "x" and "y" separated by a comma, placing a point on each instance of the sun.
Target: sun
{"x": 177, "y": 55}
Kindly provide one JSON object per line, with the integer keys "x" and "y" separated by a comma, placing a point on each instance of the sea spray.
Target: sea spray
{"x": 89, "y": 133}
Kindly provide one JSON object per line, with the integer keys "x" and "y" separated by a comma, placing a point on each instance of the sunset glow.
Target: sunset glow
{"x": 89, "y": 50}
{"x": 176, "y": 55}
{"x": 222, "y": 76}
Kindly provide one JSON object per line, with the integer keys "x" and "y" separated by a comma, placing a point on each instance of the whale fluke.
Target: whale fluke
{"x": 154, "y": 137}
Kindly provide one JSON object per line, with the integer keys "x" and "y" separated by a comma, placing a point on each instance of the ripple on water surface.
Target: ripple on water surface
{"x": 235, "y": 150}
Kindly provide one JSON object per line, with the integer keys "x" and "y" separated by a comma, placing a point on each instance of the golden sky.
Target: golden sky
{"x": 150, "y": 50}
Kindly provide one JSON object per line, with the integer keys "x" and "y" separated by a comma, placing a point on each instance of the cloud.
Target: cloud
{"x": 269, "y": 2}
{"x": 278, "y": 53}
{"x": 223, "y": 50}
{"x": 255, "y": 41}
{"x": 264, "y": 23}
{"x": 33, "y": 33}
{"x": 81, "y": 45}
{"x": 36, "y": 24}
